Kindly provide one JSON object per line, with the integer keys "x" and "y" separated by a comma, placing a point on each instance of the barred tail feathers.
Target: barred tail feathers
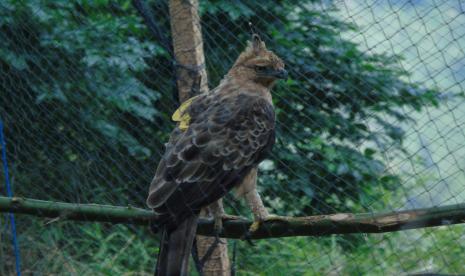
{"x": 175, "y": 249}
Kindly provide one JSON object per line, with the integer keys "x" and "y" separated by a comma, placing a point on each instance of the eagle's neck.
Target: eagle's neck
{"x": 232, "y": 85}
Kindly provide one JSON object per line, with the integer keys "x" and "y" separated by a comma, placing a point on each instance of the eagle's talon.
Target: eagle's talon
{"x": 255, "y": 226}
{"x": 247, "y": 238}
{"x": 252, "y": 229}
{"x": 258, "y": 223}
{"x": 218, "y": 221}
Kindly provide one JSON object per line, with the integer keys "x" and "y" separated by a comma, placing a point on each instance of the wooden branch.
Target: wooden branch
{"x": 343, "y": 223}
{"x": 75, "y": 211}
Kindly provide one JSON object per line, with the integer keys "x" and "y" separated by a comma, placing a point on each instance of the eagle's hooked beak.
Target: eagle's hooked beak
{"x": 267, "y": 71}
{"x": 275, "y": 73}
{"x": 280, "y": 74}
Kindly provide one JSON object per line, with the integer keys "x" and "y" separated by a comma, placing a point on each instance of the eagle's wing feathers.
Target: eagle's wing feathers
{"x": 221, "y": 144}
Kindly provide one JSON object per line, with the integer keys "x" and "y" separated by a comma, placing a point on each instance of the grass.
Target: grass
{"x": 70, "y": 248}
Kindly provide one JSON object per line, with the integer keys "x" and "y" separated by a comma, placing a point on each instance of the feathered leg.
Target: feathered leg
{"x": 248, "y": 189}
{"x": 216, "y": 210}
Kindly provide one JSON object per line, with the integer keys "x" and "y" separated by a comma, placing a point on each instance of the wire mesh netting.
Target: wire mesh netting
{"x": 370, "y": 120}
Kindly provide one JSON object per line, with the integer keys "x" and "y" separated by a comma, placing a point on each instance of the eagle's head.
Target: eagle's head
{"x": 258, "y": 65}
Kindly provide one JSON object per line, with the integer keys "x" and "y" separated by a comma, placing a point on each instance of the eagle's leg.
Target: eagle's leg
{"x": 259, "y": 211}
{"x": 248, "y": 190}
{"x": 219, "y": 215}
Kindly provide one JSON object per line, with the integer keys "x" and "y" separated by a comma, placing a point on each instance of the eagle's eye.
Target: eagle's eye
{"x": 261, "y": 69}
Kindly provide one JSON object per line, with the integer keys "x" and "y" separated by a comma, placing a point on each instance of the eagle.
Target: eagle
{"x": 220, "y": 138}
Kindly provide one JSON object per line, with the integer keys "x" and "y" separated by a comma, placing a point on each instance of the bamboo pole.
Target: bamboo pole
{"x": 325, "y": 225}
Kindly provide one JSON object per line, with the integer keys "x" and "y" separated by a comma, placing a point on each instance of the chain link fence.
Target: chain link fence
{"x": 370, "y": 120}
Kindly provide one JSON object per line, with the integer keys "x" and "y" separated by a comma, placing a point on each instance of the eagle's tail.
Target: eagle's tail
{"x": 175, "y": 248}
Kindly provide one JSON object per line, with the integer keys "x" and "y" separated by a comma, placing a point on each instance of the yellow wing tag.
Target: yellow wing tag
{"x": 181, "y": 116}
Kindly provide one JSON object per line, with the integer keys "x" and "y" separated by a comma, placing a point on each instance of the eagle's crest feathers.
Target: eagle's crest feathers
{"x": 257, "y": 65}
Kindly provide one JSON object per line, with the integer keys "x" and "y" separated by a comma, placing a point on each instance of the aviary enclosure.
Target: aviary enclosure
{"x": 368, "y": 165}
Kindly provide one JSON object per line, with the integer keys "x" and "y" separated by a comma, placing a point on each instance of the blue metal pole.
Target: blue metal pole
{"x": 10, "y": 194}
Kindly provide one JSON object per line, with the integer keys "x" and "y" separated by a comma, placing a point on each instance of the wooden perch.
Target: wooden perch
{"x": 324, "y": 225}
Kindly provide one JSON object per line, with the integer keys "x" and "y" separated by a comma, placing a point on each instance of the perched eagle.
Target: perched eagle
{"x": 221, "y": 137}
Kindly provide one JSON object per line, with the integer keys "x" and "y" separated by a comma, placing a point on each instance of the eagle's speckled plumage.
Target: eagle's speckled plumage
{"x": 220, "y": 137}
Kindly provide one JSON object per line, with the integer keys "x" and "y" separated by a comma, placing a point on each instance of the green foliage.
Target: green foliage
{"x": 69, "y": 84}
{"x": 436, "y": 250}
{"x": 86, "y": 94}
{"x": 67, "y": 248}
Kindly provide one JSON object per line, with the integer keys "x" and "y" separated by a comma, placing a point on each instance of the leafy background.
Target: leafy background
{"x": 370, "y": 120}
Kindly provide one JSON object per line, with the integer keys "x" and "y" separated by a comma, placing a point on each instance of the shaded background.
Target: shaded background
{"x": 370, "y": 120}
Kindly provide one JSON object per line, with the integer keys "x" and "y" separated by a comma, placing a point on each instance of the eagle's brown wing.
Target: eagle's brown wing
{"x": 227, "y": 136}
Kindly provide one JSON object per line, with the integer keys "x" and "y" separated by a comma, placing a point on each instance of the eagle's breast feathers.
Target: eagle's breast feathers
{"x": 219, "y": 138}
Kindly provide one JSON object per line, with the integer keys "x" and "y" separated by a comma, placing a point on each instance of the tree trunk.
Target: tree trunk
{"x": 192, "y": 78}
